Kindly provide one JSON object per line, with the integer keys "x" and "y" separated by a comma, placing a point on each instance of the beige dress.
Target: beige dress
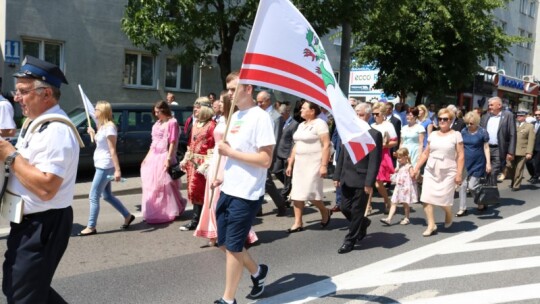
{"x": 439, "y": 183}
{"x": 307, "y": 183}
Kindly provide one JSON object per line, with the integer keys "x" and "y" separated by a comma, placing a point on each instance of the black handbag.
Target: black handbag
{"x": 175, "y": 172}
{"x": 487, "y": 192}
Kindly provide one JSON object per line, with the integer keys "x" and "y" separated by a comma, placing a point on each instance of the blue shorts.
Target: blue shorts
{"x": 234, "y": 218}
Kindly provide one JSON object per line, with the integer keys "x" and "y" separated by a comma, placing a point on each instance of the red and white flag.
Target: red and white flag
{"x": 284, "y": 53}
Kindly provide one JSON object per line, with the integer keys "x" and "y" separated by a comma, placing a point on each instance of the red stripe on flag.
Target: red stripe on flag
{"x": 358, "y": 150}
{"x": 284, "y": 65}
{"x": 286, "y": 82}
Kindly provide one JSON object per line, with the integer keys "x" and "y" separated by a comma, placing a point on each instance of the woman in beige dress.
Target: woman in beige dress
{"x": 309, "y": 158}
{"x": 443, "y": 172}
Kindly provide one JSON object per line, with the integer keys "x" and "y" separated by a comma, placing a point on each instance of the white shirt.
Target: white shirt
{"x": 493, "y": 128}
{"x": 102, "y": 154}
{"x": 54, "y": 150}
{"x": 6, "y": 115}
{"x": 249, "y": 131}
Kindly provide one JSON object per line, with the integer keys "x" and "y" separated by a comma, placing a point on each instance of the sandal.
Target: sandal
{"x": 386, "y": 221}
{"x": 404, "y": 221}
{"x": 369, "y": 211}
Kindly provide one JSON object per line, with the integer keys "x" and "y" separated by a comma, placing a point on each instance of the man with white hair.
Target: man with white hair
{"x": 457, "y": 124}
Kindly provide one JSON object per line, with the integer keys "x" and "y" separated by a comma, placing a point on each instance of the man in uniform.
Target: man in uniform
{"x": 42, "y": 173}
{"x": 524, "y": 150}
{"x": 248, "y": 148}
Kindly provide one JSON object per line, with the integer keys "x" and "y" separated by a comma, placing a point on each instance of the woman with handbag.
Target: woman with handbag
{"x": 161, "y": 198}
{"x": 197, "y": 158}
{"x": 477, "y": 161}
{"x": 107, "y": 165}
{"x": 444, "y": 161}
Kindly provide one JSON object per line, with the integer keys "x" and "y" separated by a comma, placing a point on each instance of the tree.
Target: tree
{"x": 430, "y": 46}
{"x": 190, "y": 28}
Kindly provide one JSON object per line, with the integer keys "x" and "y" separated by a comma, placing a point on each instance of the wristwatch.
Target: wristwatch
{"x": 10, "y": 159}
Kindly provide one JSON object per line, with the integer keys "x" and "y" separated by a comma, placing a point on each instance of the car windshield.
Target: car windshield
{"x": 77, "y": 116}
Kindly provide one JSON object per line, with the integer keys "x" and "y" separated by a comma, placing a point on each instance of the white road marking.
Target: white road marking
{"x": 486, "y": 296}
{"x": 374, "y": 294}
{"x": 384, "y": 272}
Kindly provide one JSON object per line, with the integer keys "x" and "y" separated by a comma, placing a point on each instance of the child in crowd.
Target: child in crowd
{"x": 405, "y": 191}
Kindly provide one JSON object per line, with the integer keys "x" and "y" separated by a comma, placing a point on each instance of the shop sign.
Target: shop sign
{"x": 512, "y": 83}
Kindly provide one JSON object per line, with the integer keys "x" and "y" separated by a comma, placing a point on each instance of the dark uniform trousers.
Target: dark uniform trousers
{"x": 34, "y": 249}
{"x": 353, "y": 206}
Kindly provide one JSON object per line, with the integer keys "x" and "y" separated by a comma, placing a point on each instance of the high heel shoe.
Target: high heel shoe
{"x": 92, "y": 232}
{"x": 430, "y": 232}
{"x": 447, "y": 225}
{"x": 126, "y": 226}
{"x": 294, "y": 230}
{"x": 328, "y": 220}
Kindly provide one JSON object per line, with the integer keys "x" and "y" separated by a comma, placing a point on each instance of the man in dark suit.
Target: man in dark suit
{"x": 284, "y": 147}
{"x": 357, "y": 181}
{"x": 533, "y": 166}
{"x": 501, "y": 128}
{"x": 265, "y": 102}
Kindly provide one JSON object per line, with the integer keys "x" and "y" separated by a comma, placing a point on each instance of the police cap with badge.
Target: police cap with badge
{"x": 33, "y": 67}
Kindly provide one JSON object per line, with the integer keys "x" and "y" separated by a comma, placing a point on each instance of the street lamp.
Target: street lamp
{"x": 204, "y": 63}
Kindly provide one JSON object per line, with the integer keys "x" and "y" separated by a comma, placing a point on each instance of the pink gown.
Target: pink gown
{"x": 161, "y": 198}
{"x": 405, "y": 190}
{"x": 207, "y": 227}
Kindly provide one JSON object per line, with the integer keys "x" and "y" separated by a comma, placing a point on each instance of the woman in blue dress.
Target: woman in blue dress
{"x": 412, "y": 136}
{"x": 475, "y": 144}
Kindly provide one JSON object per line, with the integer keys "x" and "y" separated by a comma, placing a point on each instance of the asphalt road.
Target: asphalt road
{"x": 492, "y": 257}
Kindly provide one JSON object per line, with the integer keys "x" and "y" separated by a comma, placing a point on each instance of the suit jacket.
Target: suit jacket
{"x": 525, "y": 139}
{"x": 537, "y": 140}
{"x": 286, "y": 142}
{"x": 364, "y": 173}
{"x": 458, "y": 125}
{"x": 277, "y": 122}
{"x": 506, "y": 136}
{"x": 397, "y": 127}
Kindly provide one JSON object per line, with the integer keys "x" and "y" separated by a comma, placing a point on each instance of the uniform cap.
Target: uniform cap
{"x": 33, "y": 67}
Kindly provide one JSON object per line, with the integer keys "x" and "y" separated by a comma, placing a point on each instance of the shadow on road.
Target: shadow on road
{"x": 291, "y": 282}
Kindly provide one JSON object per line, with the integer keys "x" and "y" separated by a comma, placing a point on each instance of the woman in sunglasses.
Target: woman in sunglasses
{"x": 477, "y": 162}
{"x": 390, "y": 140}
{"x": 444, "y": 159}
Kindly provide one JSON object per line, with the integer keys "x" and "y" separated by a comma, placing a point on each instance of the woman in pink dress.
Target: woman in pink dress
{"x": 207, "y": 227}
{"x": 390, "y": 140}
{"x": 161, "y": 198}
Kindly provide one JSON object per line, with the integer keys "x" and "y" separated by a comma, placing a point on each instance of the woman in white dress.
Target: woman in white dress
{"x": 444, "y": 159}
{"x": 309, "y": 158}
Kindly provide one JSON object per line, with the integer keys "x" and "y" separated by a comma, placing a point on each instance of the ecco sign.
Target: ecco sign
{"x": 362, "y": 77}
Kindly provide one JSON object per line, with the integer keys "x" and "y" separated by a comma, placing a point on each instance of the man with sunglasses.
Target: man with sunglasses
{"x": 501, "y": 128}
{"x": 42, "y": 175}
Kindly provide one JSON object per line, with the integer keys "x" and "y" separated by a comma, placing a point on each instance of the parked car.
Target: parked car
{"x": 134, "y": 123}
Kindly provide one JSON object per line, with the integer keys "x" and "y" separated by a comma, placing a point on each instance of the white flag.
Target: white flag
{"x": 88, "y": 107}
{"x": 284, "y": 53}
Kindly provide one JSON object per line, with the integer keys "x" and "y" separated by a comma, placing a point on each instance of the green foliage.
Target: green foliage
{"x": 190, "y": 28}
{"x": 430, "y": 45}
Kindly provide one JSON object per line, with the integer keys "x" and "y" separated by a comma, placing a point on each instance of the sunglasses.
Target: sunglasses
{"x": 375, "y": 114}
{"x": 443, "y": 118}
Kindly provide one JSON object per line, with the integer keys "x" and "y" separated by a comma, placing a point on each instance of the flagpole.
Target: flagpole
{"x": 231, "y": 110}
{"x": 87, "y": 115}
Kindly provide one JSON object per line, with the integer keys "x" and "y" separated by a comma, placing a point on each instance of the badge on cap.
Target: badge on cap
{"x": 33, "y": 67}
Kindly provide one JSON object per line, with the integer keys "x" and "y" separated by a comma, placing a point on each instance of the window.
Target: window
{"x": 139, "y": 70}
{"x": 532, "y": 10}
{"x": 49, "y": 51}
{"x": 178, "y": 77}
{"x": 522, "y": 69}
{"x": 530, "y": 42}
{"x": 523, "y": 6}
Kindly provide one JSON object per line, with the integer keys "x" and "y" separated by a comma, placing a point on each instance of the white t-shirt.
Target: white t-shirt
{"x": 249, "y": 131}
{"x": 102, "y": 155}
{"x": 6, "y": 115}
{"x": 54, "y": 150}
